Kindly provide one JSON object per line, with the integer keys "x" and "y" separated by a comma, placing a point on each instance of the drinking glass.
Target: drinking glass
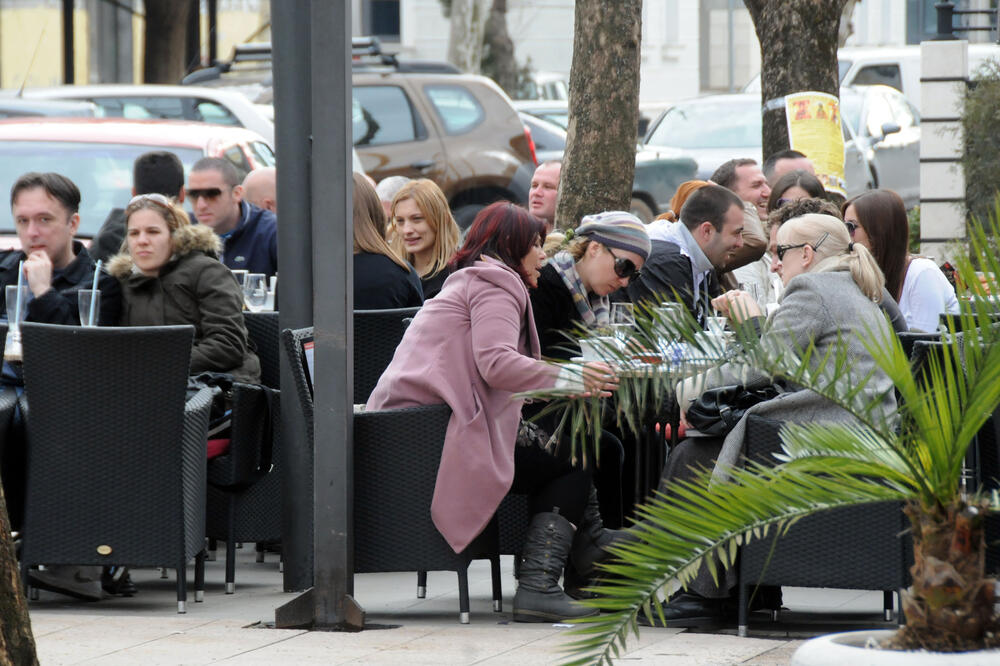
{"x": 17, "y": 306}
{"x": 241, "y": 276}
{"x": 622, "y": 322}
{"x": 255, "y": 291}
{"x": 89, "y": 301}
{"x": 752, "y": 289}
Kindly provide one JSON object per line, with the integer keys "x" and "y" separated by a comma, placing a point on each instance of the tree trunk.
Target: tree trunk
{"x": 498, "y": 49}
{"x": 465, "y": 35}
{"x": 165, "y": 41}
{"x": 949, "y": 607}
{"x": 798, "y": 52}
{"x": 17, "y": 645}
{"x": 599, "y": 162}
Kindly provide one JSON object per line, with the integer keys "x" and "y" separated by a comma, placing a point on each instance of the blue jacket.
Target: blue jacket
{"x": 253, "y": 244}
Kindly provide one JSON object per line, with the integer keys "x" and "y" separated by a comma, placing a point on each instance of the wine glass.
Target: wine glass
{"x": 622, "y": 322}
{"x": 255, "y": 291}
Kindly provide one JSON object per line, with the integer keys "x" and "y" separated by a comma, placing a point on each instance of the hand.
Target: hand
{"x": 599, "y": 379}
{"x": 737, "y": 305}
{"x": 38, "y": 271}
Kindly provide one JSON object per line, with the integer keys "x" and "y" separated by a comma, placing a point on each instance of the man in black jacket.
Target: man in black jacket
{"x": 687, "y": 255}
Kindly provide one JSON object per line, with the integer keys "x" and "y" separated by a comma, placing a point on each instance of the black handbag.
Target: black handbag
{"x": 717, "y": 411}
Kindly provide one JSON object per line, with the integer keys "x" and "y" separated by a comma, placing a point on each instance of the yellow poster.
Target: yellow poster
{"x": 814, "y": 130}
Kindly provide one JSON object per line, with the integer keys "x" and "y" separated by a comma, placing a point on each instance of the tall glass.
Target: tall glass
{"x": 255, "y": 292}
{"x": 17, "y": 306}
{"x": 622, "y": 322}
{"x": 89, "y": 301}
{"x": 241, "y": 276}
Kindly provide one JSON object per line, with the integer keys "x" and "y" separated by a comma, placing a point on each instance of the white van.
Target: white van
{"x": 896, "y": 66}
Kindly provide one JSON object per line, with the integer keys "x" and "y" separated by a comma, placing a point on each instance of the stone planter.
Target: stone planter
{"x": 849, "y": 648}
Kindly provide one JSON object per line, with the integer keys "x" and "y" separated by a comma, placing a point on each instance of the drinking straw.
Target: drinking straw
{"x": 17, "y": 303}
{"x": 93, "y": 299}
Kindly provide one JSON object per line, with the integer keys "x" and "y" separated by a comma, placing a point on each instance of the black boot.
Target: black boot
{"x": 116, "y": 582}
{"x": 592, "y": 539}
{"x": 688, "y": 610}
{"x": 539, "y": 597}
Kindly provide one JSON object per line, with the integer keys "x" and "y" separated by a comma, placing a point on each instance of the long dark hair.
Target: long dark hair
{"x": 882, "y": 214}
{"x": 797, "y": 178}
{"x": 504, "y": 231}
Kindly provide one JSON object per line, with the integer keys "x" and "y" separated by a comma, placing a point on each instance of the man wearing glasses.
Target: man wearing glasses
{"x": 687, "y": 256}
{"x": 249, "y": 235}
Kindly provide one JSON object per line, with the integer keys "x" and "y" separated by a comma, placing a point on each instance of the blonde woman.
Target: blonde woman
{"x": 382, "y": 280}
{"x": 424, "y": 232}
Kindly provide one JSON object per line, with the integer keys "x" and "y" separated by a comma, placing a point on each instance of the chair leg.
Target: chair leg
{"x": 231, "y": 549}
{"x": 463, "y": 594}
{"x": 421, "y": 584}
{"x": 163, "y": 572}
{"x": 260, "y": 552}
{"x": 213, "y": 545}
{"x": 887, "y": 605}
{"x": 742, "y": 618}
{"x": 497, "y": 587}
{"x": 199, "y": 577}
{"x": 182, "y": 587}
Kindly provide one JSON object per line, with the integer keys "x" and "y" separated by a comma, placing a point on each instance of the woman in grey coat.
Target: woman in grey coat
{"x": 832, "y": 287}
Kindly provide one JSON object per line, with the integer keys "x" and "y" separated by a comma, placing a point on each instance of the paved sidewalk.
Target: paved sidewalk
{"x": 232, "y": 629}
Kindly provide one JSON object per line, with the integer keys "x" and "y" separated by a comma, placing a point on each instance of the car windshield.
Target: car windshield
{"x": 710, "y": 124}
{"x": 102, "y": 171}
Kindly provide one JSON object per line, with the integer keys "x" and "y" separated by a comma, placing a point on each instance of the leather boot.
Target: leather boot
{"x": 592, "y": 538}
{"x": 546, "y": 548}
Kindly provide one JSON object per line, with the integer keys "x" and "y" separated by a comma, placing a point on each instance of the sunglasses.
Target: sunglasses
{"x": 210, "y": 193}
{"x": 852, "y": 227}
{"x": 153, "y": 197}
{"x": 624, "y": 268}
{"x": 782, "y": 249}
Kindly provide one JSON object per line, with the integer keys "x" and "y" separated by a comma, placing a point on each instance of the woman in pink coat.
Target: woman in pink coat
{"x": 473, "y": 347}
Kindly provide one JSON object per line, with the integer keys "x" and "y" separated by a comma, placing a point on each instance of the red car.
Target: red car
{"x": 97, "y": 154}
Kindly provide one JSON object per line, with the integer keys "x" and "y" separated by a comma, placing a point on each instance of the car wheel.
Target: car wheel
{"x": 464, "y": 215}
{"x": 641, "y": 210}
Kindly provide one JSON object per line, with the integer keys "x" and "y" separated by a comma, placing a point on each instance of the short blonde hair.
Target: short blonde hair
{"x": 835, "y": 251}
{"x": 434, "y": 205}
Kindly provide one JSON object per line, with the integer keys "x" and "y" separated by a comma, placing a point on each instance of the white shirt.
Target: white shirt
{"x": 927, "y": 295}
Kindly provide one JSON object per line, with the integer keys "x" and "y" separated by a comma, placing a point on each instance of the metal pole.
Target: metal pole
{"x": 292, "y": 59}
{"x": 732, "y": 55}
{"x": 333, "y": 306}
{"x": 68, "y": 48}
{"x": 213, "y": 30}
{"x": 192, "y": 45}
{"x": 945, "y": 18}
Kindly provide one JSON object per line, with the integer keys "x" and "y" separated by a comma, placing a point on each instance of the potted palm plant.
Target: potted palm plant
{"x": 917, "y": 460}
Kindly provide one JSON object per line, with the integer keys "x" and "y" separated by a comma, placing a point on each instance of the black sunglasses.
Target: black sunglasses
{"x": 209, "y": 193}
{"x": 624, "y": 268}
{"x": 782, "y": 249}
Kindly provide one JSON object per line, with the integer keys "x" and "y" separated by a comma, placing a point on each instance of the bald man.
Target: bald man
{"x": 261, "y": 189}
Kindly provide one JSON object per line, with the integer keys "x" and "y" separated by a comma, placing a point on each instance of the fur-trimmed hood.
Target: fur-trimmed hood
{"x": 187, "y": 239}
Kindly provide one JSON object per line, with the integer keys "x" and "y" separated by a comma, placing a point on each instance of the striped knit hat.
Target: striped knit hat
{"x": 617, "y": 229}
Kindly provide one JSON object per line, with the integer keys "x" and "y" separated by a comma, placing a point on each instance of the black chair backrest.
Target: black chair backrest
{"x": 291, "y": 343}
{"x": 376, "y": 335}
{"x": 909, "y": 338}
{"x": 107, "y": 407}
{"x": 265, "y": 335}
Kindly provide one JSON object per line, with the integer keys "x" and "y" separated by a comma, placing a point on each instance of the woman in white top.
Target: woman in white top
{"x": 877, "y": 220}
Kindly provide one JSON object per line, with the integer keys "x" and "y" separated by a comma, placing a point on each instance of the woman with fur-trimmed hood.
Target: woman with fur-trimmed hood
{"x": 170, "y": 275}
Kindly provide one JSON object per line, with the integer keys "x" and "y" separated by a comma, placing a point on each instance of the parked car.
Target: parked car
{"x": 153, "y": 101}
{"x": 657, "y": 172}
{"x": 418, "y": 119}
{"x": 894, "y": 66}
{"x": 17, "y": 107}
{"x": 881, "y": 136}
{"x": 97, "y": 154}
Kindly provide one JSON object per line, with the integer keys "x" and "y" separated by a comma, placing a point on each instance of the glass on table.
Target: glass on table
{"x": 622, "y": 322}
{"x": 89, "y": 302}
{"x": 255, "y": 292}
{"x": 17, "y": 306}
{"x": 240, "y": 275}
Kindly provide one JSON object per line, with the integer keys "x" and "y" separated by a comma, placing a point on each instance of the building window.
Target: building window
{"x": 381, "y": 19}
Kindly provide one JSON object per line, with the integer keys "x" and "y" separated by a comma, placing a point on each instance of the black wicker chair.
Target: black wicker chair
{"x": 860, "y": 547}
{"x": 244, "y": 484}
{"x": 399, "y": 471}
{"x": 376, "y": 335}
{"x": 396, "y": 457}
{"x": 116, "y": 457}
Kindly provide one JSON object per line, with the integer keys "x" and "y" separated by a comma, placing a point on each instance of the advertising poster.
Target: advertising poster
{"x": 814, "y": 130}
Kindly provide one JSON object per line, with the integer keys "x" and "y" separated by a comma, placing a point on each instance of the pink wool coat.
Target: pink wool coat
{"x": 472, "y": 346}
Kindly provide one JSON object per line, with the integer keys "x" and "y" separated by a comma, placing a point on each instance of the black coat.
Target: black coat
{"x": 554, "y": 311}
{"x": 382, "y": 284}
{"x": 60, "y": 304}
{"x": 666, "y": 276}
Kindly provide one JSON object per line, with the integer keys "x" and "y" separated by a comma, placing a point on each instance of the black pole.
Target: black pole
{"x": 292, "y": 60}
{"x": 68, "y": 38}
{"x": 945, "y": 21}
{"x": 192, "y": 45}
{"x": 213, "y": 29}
{"x": 333, "y": 305}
